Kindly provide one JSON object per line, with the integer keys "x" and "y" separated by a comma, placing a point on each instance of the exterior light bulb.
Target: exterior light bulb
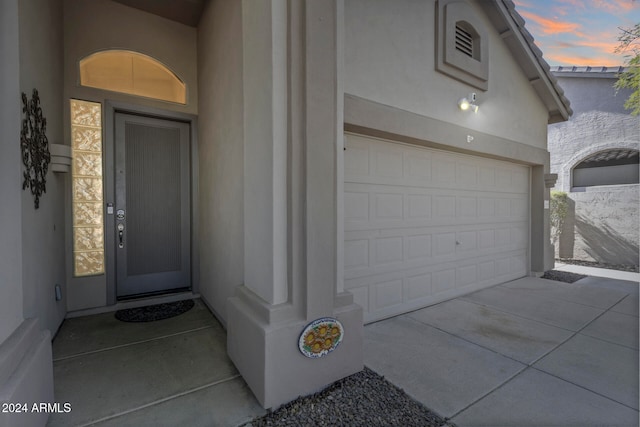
{"x": 468, "y": 103}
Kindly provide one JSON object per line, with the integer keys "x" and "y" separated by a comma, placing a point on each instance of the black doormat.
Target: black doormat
{"x": 155, "y": 312}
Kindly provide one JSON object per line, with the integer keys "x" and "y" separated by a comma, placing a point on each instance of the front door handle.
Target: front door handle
{"x": 121, "y": 235}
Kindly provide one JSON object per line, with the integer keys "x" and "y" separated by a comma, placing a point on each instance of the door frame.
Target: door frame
{"x": 110, "y": 110}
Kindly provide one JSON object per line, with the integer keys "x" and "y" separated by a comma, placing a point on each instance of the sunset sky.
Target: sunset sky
{"x": 579, "y": 32}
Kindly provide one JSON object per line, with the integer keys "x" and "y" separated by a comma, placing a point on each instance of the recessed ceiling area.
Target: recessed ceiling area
{"x": 184, "y": 11}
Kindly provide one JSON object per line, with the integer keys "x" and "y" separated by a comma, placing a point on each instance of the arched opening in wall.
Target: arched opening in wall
{"x": 611, "y": 167}
{"x": 132, "y": 73}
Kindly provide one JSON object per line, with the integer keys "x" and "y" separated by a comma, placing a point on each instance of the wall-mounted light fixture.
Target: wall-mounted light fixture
{"x": 469, "y": 103}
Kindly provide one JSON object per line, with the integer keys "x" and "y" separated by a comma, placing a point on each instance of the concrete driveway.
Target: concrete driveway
{"x": 531, "y": 352}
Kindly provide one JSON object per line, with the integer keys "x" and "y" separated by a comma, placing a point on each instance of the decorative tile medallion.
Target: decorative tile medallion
{"x": 320, "y": 337}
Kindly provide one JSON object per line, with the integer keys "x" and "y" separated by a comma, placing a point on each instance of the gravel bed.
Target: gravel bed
{"x": 619, "y": 267}
{"x": 562, "y": 276}
{"x": 362, "y": 399}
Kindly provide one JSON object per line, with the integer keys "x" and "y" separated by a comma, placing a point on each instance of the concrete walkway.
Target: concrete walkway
{"x": 531, "y": 352}
{"x": 172, "y": 372}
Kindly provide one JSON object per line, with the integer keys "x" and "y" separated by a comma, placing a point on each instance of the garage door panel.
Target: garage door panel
{"x": 376, "y": 206}
{"x": 369, "y": 252}
{"x": 389, "y": 206}
{"x": 418, "y": 286}
{"x": 466, "y": 241}
{"x": 358, "y": 270}
{"x": 424, "y": 225}
{"x": 386, "y": 294}
{"x": 466, "y": 275}
{"x": 467, "y": 206}
{"x": 486, "y": 270}
{"x": 356, "y": 206}
{"x": 418, "y": 167}
{"x": 467, "y": 175}
{"x": 444, "y": 207}
{"x": 388, "y": 250}
{"x": 356, "y": 160}
{"x": 356, "y": 253}
{"x": 418, "y": 206}
{"x": 419, "y": 247}
{"x": 486, "y": 177}
{"x": 444, "y": 280}
{"x": 387, "y": 163}
{"x": 408, "y": 165}
{"x": 389, "y": 293}
{"x": 444, "y": 172}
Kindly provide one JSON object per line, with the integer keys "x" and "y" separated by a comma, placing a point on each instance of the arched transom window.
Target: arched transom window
{"x": 611, "y": 167}
{"x": 133, "y": 73}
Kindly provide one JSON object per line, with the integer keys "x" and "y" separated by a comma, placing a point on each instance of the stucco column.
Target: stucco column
{"x": 304, "y": 112}
{"x": 542, "y": 251}
{"x": 264, "y": 31}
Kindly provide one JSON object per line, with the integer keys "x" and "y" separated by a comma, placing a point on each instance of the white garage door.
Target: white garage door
{"x": 424, "y": 225}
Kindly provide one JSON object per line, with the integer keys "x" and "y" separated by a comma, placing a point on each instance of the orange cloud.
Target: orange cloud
{"x": 579, "y": 60}
{"x": 550, "y": 26}
{"x": 605, "y": 42}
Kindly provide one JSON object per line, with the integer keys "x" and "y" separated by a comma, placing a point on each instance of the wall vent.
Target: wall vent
{"x": 464, "y": 41}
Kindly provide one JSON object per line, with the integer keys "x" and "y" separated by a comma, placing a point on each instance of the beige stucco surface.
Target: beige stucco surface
{"x": 43, "y": 229}
{"x": 603, "y": 221}
{"x": 10, "y": 166}
{"x": 220, "y": 151}
{"x": 30, "y": 265}
{"x": 390, "y": 59}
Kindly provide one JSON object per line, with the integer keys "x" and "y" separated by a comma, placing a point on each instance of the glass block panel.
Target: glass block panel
{"x": 86, "y": 188}
{"x": 89, "y": 263}
{"x": 87, "y": 164}
{"x": 88, "y": 238}
{"x": 87, "y": 139}
{"x": 87, "y": 214}
{"x": 85, "y": 113}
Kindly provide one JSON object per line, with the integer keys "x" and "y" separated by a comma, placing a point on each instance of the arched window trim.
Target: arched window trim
{"x": 564, "y": 174}
{"x": 579, "y": 161}
{"x": 133, "y": 73}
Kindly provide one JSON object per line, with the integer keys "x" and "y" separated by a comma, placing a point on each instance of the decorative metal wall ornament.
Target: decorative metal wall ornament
{"x": 34, "y": 146}
{"x": 320, "y": 337}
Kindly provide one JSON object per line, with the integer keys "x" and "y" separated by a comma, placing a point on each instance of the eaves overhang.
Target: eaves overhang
{"x": 511, "y": 27}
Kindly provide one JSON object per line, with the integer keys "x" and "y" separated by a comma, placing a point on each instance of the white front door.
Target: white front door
{"x": 424, "y": 225}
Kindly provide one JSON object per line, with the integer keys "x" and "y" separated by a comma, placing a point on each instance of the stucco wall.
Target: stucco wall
{"x": 390, "y": 59}
{"x": 43, "y": 229}
{"x": 91, "y": 26}
{"x": 603, "y": 223}
{"x": 10, "y": 172}
{"x": 220, "y": 146}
